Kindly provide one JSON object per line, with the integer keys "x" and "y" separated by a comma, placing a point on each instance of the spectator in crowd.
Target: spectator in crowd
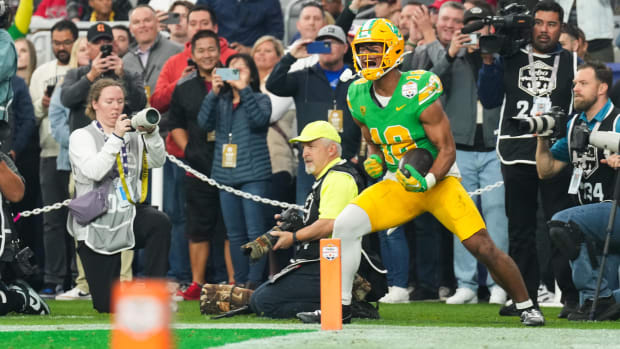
{"x": 239, "y": 115}
{"x": 385, "y": 8}
{"x": 26, "y": 59}
{"x": 177, "y": 67}
{"x": 151, "y": 51}
{"x": 202, "y": 200}
{"x": 473, "y": 129}
{"x": 311, "y": 20}
{"x": 122, "y": 39}
{"x": 242, "y": 23}
{"x": 526, "y": 92}
{"x": 266, "y": 52}
{"x": 98, "y": 10}
{"x": 468, "y": 4}
{"x": 596, "y": 19}
{"x": 94, "y": 151}
{"x": 58, "y": 116}
{"x": 54, "y": 182}
{"x": 51, "y": 9}
{"x": 334, "y": 7}
{"x": 337, "y": 183}
{"x": 179, "y": 32}
{"x": 571, "y": 40}
{"x": 407, "y": 26}
{"x": 579, "y": 231}
{"x": 78, "y": 81}
{"x": 319, "y": 93}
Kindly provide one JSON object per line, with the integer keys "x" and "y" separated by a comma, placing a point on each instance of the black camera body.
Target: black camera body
{"x": 580, "y": 138}
{"x": 513, "y": 27}
{"x": 552, "y": 124}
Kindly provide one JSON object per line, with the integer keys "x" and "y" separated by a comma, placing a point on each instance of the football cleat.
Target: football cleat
{"x": 532, "y": 317}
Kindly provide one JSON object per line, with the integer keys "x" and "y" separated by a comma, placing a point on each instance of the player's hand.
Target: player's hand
{"x": 374, "y": 166}
{"x": 414, "y": 182}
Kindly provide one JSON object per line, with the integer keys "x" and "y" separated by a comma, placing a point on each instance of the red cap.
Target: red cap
{"x": 437, "y": 4}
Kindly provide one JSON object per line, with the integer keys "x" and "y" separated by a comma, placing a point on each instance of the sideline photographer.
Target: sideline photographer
{"x": 529, "y": 82}
{"x": 110, "y": 166}
{"x": 297, "y": 287}
{"x": 592, "y": 182}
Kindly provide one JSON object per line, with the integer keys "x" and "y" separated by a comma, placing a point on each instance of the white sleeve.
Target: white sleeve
{"x": 156, "y": 150}
{"x": 279, "y": 106}
{"x": 86, "y": 161}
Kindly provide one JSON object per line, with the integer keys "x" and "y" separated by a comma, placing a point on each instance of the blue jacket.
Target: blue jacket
{"x": 22, "y": 117}
{"x": 248, "y": 124}
{"x": 8, "y": 68}
{"x": 58, "y": 116}
{"x": 245, "y": 21}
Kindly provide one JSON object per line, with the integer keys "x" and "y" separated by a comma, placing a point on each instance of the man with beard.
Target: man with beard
{"x": 529, "y": 83}
{"x": 580, "y": 231}
{"x": 54, "y": 183}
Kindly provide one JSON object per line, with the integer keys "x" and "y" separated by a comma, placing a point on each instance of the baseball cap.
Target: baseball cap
{"x": 475, "y": 13}
{"x": 98, "y": 31}
{"x": 332, "y": 31}
{"x": 437, "y": 4}
{"x": 316, "y": 130}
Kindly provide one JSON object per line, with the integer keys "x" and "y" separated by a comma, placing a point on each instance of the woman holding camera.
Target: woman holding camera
{"x": 110, "y": 167}
{"x": 239, "y": 114}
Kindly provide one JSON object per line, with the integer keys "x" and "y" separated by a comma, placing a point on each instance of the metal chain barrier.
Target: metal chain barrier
{"x": 212, "y": 182}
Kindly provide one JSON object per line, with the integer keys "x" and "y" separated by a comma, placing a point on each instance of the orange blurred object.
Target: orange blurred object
{"x": 331, "y": 285}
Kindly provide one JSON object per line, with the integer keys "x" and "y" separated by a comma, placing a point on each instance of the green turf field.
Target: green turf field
{"x": 430, "y": 325}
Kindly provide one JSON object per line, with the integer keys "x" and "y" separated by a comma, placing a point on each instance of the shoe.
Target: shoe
{"x": 424, "y": 294}
{"x": 314, "y": 317}
{"x": 567, "y": 309}
{"x": 74, "y": 294}
{"x": 532, "y": 317}
{"x": 544, "y": 295}
{"x": 395, "y": 295}
{"x": 444, "y": 293}
{"x": 606, "y": 309}
{"x": 509, "y": 309}
{"x": 50, "y": 291}
{"x": 192, "y": 293}
{"x": 463, "y": 295}
{"x": 33, "y": 303}
{"x": 498, "y": 295}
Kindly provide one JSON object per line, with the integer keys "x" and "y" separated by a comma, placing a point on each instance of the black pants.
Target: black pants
{"x": 298, "y": 291}
{"x": 152, "y": 231}
{"x": 522, "y": 185}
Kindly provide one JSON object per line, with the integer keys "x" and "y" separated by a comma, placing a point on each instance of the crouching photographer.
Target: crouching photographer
{"x": 579, "y": 232}
{"x": 110, "y": 167}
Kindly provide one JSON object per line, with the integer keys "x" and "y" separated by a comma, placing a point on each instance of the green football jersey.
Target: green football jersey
{"x": 397, "y": 127}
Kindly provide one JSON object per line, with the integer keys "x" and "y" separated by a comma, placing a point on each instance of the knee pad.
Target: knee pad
{"x": 567, "y": 237}
{"x": 353, "y": 221}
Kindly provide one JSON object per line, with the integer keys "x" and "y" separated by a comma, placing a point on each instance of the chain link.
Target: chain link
{"x": 232, "y": 190}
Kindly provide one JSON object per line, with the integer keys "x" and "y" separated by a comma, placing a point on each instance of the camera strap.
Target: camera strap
{"x": 552, "y": 79}
{"x": 144, "y": 178}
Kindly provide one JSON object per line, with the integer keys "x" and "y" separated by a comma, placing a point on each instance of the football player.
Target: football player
{"x": 398, "y": 112}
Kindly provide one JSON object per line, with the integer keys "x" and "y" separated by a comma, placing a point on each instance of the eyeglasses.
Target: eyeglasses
{"x": 62, "y": 43}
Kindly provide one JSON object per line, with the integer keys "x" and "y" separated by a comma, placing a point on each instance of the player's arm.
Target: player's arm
{"x": 546, "y": 165}
{"x": 437, "y": 128}
{"x": 373, "y": 149}
{"x": 373, "y": 165}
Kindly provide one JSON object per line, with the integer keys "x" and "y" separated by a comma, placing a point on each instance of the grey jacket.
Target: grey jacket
{"x": 159, "y": 53}
{"x": 460, "y": 97}
{"x": 75, "y": 91}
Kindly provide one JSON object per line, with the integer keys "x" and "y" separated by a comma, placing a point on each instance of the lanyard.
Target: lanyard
{"x": 554, "y": 73}
{"x": 122, "y": 169}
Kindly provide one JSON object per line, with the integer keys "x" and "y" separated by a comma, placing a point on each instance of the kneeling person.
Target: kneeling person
{"x": 297, "y": 288}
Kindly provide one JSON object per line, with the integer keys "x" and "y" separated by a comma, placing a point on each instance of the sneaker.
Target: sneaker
{"x": 606, "y": 309}
{"x": 424, "y": 294}
{"x": 532, "y": 317}
{"x": 33, "y": 304}
{"x": 544, "y": 295}
{"x": 463, "y": 295}
{"x": 50, "y": 291}
{"x": 395, "y": 295}
{"x": 498, "y": 295}
{"x": 192, "y": 293}
{"x": 314, "y": 317}
{"x": 444, "y": 293}
{"x": 74, "y": 294}
{"x": 509, "y": 309}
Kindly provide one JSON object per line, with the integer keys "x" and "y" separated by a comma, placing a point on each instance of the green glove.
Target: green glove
{"x": 413, "y": 180}
{"x": 374, "y": 166}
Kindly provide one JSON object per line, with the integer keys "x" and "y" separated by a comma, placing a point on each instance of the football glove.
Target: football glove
{"x": 413, "y": 180}
{"x": 374, "y": 166}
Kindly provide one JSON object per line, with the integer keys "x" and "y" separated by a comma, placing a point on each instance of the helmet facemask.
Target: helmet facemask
{"x": 377, "y": 32}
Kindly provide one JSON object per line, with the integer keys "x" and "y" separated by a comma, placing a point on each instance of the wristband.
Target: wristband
{"x": 410, "y": 43}
{"x": 430, "y": 180}
{"x": 295, "y": 241}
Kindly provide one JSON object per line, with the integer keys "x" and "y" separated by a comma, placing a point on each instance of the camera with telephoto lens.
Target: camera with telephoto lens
{"x": 147, "y": 118}
{"x": 290, "y": 220}
{"x": 552, "y": 124}
{"x": 582, "y": 137}
{"x": 513, "y": 27}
